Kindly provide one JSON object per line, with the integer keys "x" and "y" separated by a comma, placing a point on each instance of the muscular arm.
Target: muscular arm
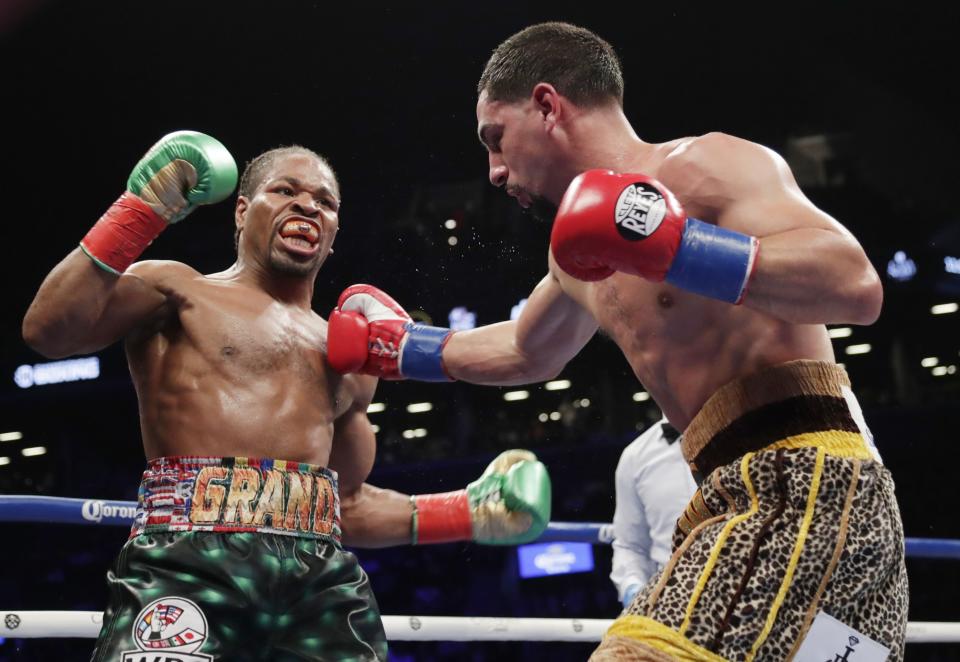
{"x": 370, "y": 516}
{"x": 550, "y": 331}
{"x": 375, "y": 517}
{"x": 81, "y": 308}
{"x": 508, "y": 504}
{"x": 810, "y": 270}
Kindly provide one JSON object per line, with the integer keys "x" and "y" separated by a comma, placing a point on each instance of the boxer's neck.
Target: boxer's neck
{"x": 291, "y": 289}
{"x": 603, "y": 138}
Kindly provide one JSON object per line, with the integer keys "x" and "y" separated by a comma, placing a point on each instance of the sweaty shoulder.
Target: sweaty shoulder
{"x": 158, "y": 272}
{"x": 716, "y": 167}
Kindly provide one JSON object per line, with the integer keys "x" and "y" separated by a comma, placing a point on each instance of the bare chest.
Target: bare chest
{"x": 252, "y": 334}
{"x": 241, "y": 340}
{"x": 260, "y": 345}
{"x": 645, "y": 317}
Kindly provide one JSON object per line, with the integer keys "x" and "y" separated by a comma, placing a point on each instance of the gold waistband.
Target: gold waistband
{"x": 815, "y": 380}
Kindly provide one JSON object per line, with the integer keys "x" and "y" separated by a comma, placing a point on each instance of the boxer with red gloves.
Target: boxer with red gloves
{"x": 656, "y": 261}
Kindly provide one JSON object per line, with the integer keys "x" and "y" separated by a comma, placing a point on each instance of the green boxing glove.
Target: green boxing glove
{"x": 182, "y": 170}
{"x": 508, "y": 505}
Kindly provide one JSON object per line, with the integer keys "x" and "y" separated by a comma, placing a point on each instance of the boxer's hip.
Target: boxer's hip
{"x": 797, "y": 404}
{"x": 237, "y": 596}
{"x": 795, "y": 516}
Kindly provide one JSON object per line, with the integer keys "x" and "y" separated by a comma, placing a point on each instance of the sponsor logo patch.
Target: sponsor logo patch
{"x": 830, "y": 640}
{"x": 94, "y": 510}
{"x": 171, "y": 629}
{"x": 640, "y": 210}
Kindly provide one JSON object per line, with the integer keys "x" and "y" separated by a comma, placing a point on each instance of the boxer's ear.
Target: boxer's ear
{"x": 548, "y": 102}
{"x": 240, "y": 211}
{"x": 239, "y": 217}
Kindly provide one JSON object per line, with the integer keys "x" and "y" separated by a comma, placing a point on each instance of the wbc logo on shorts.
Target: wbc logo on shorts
{"x": 170, "y": 629}
{"x": 640, "y": 210}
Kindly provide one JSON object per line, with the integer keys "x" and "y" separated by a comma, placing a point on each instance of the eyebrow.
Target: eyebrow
{"x": 484, "y": 134}
{"x": 296, "y": 182}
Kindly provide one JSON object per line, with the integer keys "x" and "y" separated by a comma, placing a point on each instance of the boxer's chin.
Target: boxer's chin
{"x": 287, "y": 265}
{"x": 542, "y": 209}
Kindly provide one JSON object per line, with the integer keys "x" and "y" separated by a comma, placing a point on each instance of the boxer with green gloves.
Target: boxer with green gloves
{"x": 234, "y": 555}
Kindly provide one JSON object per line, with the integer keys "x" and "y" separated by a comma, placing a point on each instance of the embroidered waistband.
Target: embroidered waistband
{"x": 235, "y": 494}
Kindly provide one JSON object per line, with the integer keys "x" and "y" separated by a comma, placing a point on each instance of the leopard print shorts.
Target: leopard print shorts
{"x": 747, "y": 581}
{"x": 767, "y": 542}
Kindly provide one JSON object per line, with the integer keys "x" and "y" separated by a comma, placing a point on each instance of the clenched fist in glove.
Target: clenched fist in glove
{"x": 372, "y": 334}
{"x": 632, "y": 223}
{"x": 508, "y": 505}
{"x": 182, "y": 170}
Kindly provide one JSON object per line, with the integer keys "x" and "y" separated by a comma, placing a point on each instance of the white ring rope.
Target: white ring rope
{"x": 86, "y": 624}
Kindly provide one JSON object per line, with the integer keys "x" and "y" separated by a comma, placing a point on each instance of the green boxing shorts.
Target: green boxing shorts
{"x": 238, "y": 559}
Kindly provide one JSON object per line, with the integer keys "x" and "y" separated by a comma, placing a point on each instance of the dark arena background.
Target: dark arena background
{"x": 860, "y": 98}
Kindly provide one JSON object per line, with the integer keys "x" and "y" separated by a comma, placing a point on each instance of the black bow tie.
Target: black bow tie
{"x": 670, "y": 433}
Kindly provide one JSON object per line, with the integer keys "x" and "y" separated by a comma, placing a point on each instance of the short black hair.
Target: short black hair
{"x": 256, "y": 168}
{"x": 582, "y": 66}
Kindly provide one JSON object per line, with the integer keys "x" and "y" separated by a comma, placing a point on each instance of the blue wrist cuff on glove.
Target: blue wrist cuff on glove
{"x": 712, "y": 261}
{"x": 629, "y": 594}
{"x": 421, "y": 357}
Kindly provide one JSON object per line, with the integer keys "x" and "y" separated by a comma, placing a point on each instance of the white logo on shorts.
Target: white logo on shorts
{"x": 640, "y": 210}
{"x": 171, "y": 627}
{"x": 829, "y": 640}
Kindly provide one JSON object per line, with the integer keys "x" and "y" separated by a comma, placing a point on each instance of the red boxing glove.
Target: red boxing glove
{"x": 634, "y": 224}
{"x": 365, "y": 336}
{"x": 609, "y": 222}
{"x": 372, "y": 334}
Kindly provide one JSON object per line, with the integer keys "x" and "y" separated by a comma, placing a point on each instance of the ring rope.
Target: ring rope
{"x": 86, "y": 625}
{"x": 62, "y": 510}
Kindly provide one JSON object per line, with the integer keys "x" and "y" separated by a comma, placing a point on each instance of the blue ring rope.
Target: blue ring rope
{"x": 62, "y": 510}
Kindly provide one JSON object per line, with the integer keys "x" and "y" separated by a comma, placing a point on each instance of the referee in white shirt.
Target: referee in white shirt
{"x": 654, "y": 485}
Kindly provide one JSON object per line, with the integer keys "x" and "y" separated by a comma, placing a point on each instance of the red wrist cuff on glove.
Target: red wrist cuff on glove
{"x": 442, "y": 517}
{"x": 122, "y": 233}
